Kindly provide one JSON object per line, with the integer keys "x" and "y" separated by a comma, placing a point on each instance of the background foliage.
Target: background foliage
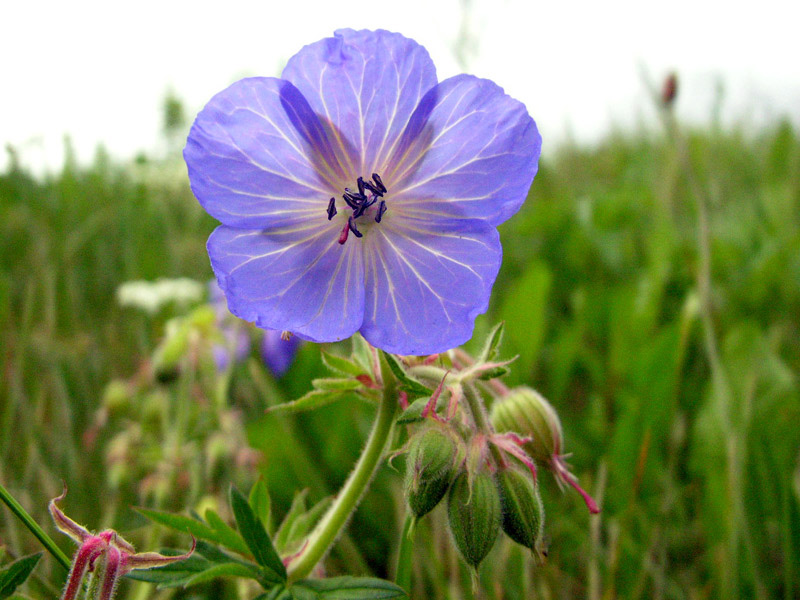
{"x": 680, "y": 406}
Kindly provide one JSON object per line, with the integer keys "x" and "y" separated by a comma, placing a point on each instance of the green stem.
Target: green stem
{"x": 326, "y": 531}
{"x": 475, "y": 403}
{"x": 34, "y": 528}
{"x": 402, "y": 575}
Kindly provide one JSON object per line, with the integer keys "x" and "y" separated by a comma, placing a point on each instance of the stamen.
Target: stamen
{"x": 381, "y": 210}
{"x": 352, "y": 200}
{"x": 351, "y": 222}
{"x": 377, "y": 179}
{"x": 369, "y": 192}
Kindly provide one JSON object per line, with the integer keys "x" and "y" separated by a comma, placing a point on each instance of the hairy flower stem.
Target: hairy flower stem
{"x": 405, "y": 558}
{"x": 482, "y": 424}
{"x": 330, "y": 526}
{"x": 16, "y": 508}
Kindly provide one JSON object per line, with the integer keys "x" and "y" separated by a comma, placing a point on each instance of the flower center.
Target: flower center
{"x": 369, "y": 192}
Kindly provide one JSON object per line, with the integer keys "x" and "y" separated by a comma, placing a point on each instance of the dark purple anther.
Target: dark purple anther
{"x": 381, "y": 210}
{"x": 352, "y": 201}
{"x": 352, "y": 224}
{"x": 377, "y": 179}
{"x": 360, "y": 182}
{"x": 331, "y": 208}
{"x": 373, "y": 188}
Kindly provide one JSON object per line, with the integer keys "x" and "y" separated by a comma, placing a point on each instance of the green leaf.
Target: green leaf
{"x": 492, "y": 343}
{"x": 334, "y": 384}
{"x": 14, "y": 574}
{"x": 297, "y": 509}
{"x": 413, "y": 414}
{"x": 224, "y": 532}
{"x": 362, "y": 352}
{"x": 494, "y": 372}
{"x": 174, "y": 574}
{"x": 197, "y": 528}
{"x": 279, "y": 592}
{"x": 208, "y": 562}
{"x": 406, "y": 381}
{"x": 261, "y": 503}
{"x": 311, "y": 400}
{"x": 230, "y": 569}
{"x": 255, "y": 535}
{"x": 347, "y": 588}
{"x": 341, "y": 365}
{"x": 304, "y": 522}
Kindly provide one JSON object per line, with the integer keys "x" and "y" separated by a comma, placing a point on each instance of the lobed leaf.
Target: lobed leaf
{"x": 297, "y": 509}
{"x": 230, "y": 538}
{"x": 198, "y": 529}
{"x": 230, "y": 569}
{"x": 311, "y": 400}
{"x": 341, "y": 365}
{"x": 336, "y": 384}
{"x": 406, "y": 381}
{"x": 413, "y": 414}
{"x": 261, "y": 503}
{"x": 208, "y": 562}
{"x": 494, "y": 372}
{"x": 14, "y": 574}
{"x": 174, "y": 574}
{"x": 304, "y": 522}
{"x": 255, "y": 536}
{"x": 492, "y": 344}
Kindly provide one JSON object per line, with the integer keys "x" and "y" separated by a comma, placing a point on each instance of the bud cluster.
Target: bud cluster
{"x": 484, "y": 463}
{"x": 481, "y": 499}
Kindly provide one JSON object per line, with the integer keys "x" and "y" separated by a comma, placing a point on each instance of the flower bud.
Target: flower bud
{"x": 474, "y": 513}
{"x": 116, "y": 396}
{"x": 526, "y": 412}
{"x": 523, "y": 513}
{"x": 172, "y": 349}
{"x": 429, "y": 469}
{"x": 669, "y": 90}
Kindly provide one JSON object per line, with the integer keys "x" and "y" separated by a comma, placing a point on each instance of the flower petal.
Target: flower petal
{"x": 426, "y": 282}
{"x": 258, "y": 156}
{"x": 296, "y": 279}
{"x": 469, "y": 151}
{"x": 365, "y": 85}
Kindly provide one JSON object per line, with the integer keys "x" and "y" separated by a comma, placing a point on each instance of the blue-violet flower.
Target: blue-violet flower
{"x": 358, "y": 194}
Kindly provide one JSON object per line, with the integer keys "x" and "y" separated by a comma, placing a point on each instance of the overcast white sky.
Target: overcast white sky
{"x": 99, "y": 70}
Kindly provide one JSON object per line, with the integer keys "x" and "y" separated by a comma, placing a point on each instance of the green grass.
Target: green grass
{"x": 690, "y": 441}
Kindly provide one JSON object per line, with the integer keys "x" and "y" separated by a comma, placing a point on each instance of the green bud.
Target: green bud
{"x": 153, "y": 411}
{"x": 523, "y": 513}
{"x": 116, "y": 396}
{"x": 526, "y": 412}
{"x": 474, "y": 513}
{"x": 429, "y": 469}
{"x": 173, "y": 348}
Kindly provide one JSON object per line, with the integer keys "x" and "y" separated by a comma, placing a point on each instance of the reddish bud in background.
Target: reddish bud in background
{"x": 669, "y": 90}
